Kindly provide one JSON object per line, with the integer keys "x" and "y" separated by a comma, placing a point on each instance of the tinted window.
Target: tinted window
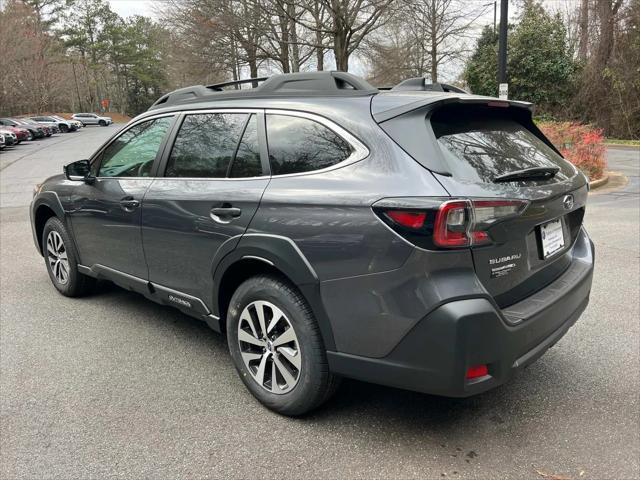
{"x": 301, "y": 145}
{"x": 132, "y": 153}
{"x": 247, "y": 160}
{"x": 482, "y": 144}
{"x": 205, "y": 145}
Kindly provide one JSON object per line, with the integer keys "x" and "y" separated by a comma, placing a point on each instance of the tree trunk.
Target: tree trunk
{"x": 284, "y": 43}
{"x": 341, "y": 50}
{"x": 583, "y": 24}
{"x": 295, "y": 48}
{"x": 253, "y": 65}
{"x": 434, "y": 43}
{"x": 606, "y": 17}
{"x": 319, "y": 52}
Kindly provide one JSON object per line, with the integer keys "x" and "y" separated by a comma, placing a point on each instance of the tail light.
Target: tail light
{"x": 447, "y": 223}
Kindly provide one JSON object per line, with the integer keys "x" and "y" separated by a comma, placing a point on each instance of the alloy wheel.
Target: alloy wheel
{"x": 57, "y": 257}
{"x": 269, "y": 347}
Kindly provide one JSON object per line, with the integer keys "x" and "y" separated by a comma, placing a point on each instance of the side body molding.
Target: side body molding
{"x": 283, "y": 254}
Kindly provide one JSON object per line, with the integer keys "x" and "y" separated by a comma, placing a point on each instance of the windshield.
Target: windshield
{"x": 481, "y": 144}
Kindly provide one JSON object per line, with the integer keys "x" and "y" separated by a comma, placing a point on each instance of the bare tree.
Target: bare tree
{"x": 348, "y": 23}
{"x": 423, "y": 35}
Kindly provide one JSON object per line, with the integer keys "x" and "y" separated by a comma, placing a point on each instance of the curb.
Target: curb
{"x": 599, "y": 182}
{"x": 622, "y": 146}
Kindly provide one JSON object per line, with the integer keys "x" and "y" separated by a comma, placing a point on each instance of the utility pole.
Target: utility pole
{"x": 502, "y": 50}
{"x": 495, "y": 9}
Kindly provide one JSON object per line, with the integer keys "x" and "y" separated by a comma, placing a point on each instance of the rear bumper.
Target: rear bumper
{"x": 434, "y": 355}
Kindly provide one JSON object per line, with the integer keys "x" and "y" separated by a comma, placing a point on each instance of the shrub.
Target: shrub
{"x": 580, "y": 144}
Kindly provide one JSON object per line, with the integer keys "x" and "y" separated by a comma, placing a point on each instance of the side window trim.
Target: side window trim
{"x": 360, "y": 150}
{"x": 168, "y": 146}
{"x": 262, "y": 144}
{"x": 97, "y": 156}
{"x": 173, "y": 133}
{"x": 235, "y": 151}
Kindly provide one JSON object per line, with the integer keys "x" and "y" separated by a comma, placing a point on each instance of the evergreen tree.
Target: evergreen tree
{"x": 481, "y": 73}
{"x": 540, "y": 67}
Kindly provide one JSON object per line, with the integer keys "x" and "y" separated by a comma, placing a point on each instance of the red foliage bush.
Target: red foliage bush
{"x": 581, "y": 144}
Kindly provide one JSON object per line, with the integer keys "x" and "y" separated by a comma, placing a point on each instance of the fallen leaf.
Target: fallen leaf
{"x": 551, "y": 476}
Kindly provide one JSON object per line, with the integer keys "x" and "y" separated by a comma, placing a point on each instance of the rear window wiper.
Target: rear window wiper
{"x": 533, "y": 173}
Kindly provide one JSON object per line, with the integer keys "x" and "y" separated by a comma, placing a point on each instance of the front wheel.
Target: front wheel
{"x": 62, "y": 260}
{"x": 276, "y": 346}
{"x": 102, "y": 123}
{"x": 64, "y": 129}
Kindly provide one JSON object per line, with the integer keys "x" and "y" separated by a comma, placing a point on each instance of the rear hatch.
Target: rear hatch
{"x": 523, "y": 203}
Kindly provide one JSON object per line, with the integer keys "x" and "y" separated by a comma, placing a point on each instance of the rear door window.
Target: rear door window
{"x": 205, "y": 145}
{"x": 302, "y": 145}
{"x": 479, "y": 145}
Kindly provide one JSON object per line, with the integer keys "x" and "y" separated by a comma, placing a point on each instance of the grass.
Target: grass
{"x": 618, "y": 141}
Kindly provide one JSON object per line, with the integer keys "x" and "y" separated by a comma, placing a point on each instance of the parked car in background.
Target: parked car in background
{"x": 9, "y": 137}
{"x": 22, "y": 133}
{"x": 77, "y": 123}
{"x": 63, "y": 125}
{"x": 92, "y": 119}
{"x": 48, "y": 129}
{"x": 36, "y": 131}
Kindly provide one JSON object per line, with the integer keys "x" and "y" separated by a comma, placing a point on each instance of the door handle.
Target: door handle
{"x": 224, "y": 214}
{"x": 129, "y": 203}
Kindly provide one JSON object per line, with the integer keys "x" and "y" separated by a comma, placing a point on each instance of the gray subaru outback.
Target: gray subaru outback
{"x": 418, "y": 237}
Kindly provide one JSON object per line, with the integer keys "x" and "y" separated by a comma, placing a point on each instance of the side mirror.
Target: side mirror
{"x": 79, "y": 171}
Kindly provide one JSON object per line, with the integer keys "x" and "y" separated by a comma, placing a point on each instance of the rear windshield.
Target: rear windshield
{"x": 480, "y": 144}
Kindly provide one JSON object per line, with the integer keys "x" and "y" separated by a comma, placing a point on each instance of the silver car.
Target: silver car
{"x": 78, "y": 124}
{"x": 92, "y": 119}
{"x": 64, "y": 126}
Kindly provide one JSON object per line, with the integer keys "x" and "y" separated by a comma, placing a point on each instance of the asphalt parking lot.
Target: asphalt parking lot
{"x": 115, "y": 386}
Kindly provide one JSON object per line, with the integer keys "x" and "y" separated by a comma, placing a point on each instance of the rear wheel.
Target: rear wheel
{"x": 276, "y": 346}
{"x": 62, "y": 260}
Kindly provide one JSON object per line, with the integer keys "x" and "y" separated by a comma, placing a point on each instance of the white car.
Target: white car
{"x": 74, "y": 122}
{"x": 9, "y": 137}
{"x": 92, "y": 119}
{"x": 63, "y": 125}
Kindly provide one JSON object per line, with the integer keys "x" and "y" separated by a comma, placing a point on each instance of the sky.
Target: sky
{"x": 127, "y": 8}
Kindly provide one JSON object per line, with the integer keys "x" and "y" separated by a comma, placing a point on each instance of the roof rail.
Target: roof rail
{"x": 301, "y": 83}
{"x": 420, "y": 84}
{"x": 219, "y": 87}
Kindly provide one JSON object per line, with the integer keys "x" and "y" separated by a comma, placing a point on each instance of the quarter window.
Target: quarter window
{"x": 301, "y": 145}
{"x": 205, "y": 145}
{"x": 132, "y": 153}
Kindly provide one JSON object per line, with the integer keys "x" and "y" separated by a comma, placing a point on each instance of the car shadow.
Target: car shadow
{"x": 401, "y": 410}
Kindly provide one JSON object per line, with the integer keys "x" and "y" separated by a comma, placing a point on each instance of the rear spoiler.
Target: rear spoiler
{"x": 429, "y": 104}
{"x": 400, "y": 124}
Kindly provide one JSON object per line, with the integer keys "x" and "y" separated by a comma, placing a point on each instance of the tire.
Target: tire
{"x": 30, "y": 136}
{"x": 308, "y": 386}
{"x": 102, "y": 123}
{"x": 75, "y": 284}
{"x": 64, "y": 129}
